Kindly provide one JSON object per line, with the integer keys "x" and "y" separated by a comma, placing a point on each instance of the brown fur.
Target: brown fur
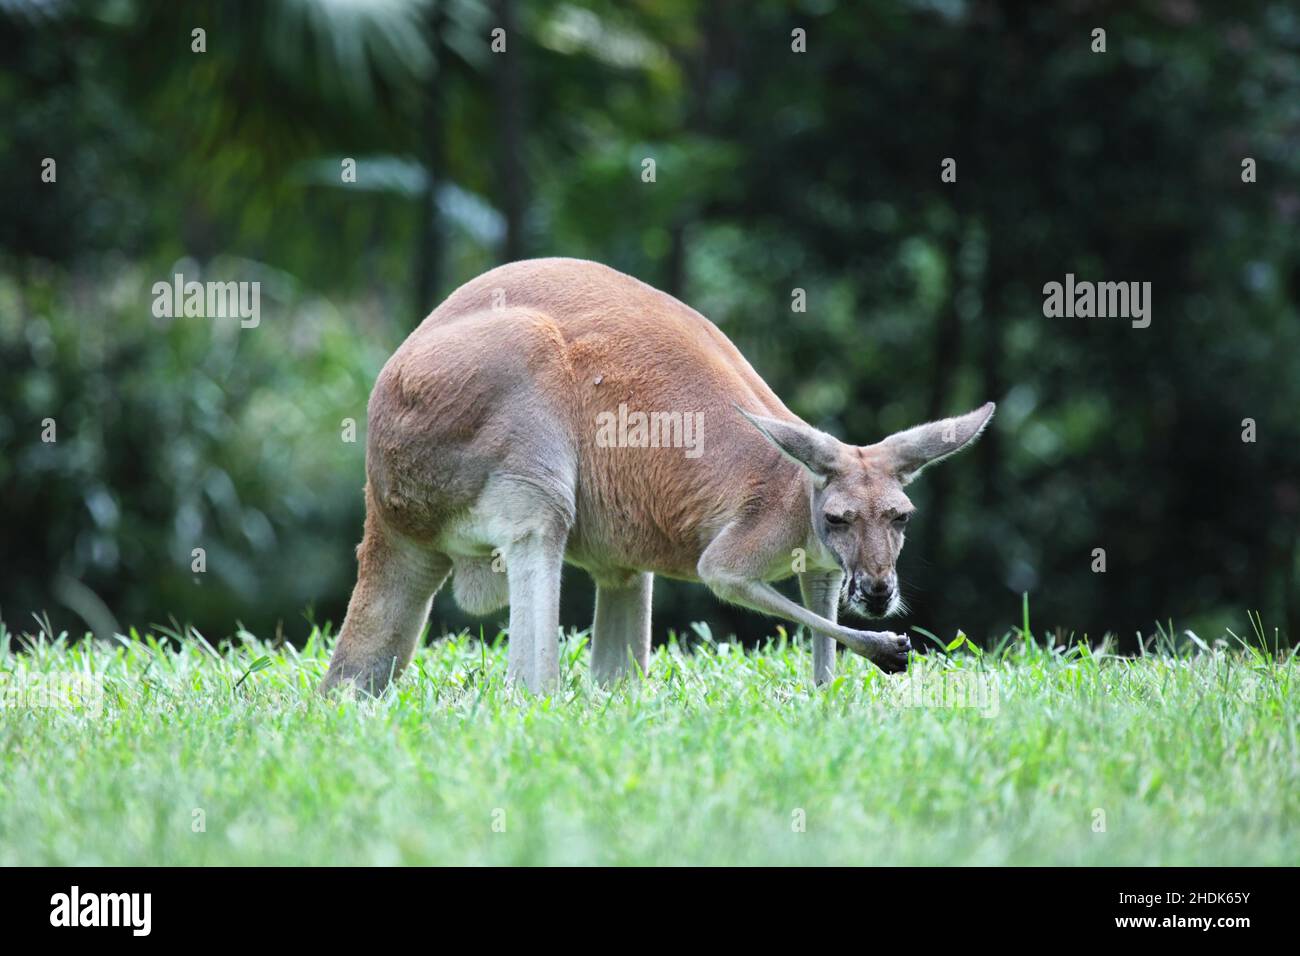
{"x": 482, "y": 438}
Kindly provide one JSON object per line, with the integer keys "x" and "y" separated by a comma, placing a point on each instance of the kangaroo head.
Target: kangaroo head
{"x": 859, "y": 510}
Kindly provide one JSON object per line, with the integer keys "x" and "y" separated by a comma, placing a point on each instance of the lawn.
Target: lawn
{"x": 132, "y": 753}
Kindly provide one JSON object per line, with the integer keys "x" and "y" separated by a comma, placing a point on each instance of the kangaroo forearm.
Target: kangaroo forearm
{"x": 821, "y": 592}
{"x": 821, "y": 595}
{"x": 761, "y": 596}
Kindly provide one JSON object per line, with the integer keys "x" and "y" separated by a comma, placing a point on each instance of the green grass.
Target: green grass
{"x": 1190, "y": 753}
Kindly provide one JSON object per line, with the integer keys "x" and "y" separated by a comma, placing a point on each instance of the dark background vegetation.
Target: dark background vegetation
{"x": 775, "y": 171}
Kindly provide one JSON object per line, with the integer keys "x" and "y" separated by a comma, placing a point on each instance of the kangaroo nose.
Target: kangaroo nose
{"x": 880, "y": 588}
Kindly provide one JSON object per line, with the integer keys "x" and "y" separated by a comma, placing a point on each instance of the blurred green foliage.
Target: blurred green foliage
{"x": 775, "y": 170}
{"x": 172, "y": 434}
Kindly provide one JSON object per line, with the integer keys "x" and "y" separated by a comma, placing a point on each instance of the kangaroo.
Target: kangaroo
{"x": 492, "y": 444}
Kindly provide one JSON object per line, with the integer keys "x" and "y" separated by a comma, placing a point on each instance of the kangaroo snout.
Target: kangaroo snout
{"x": 874, "y": 595}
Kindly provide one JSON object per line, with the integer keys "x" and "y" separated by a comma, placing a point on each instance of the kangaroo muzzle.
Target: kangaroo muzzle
{"x": 874, "y": 596}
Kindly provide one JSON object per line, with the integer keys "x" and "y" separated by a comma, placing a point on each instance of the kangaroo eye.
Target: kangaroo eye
{"x": 836, "y": 521}
{"x": 901, "y": 521}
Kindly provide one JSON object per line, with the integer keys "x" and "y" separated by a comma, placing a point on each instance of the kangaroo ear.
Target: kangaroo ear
{"x": 912, "y": 450}
{"x": 815, "y": 450}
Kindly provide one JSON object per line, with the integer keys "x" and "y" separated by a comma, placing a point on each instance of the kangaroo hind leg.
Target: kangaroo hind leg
{"x": 620, "y": 642}
{"x": 396, "y": 583}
